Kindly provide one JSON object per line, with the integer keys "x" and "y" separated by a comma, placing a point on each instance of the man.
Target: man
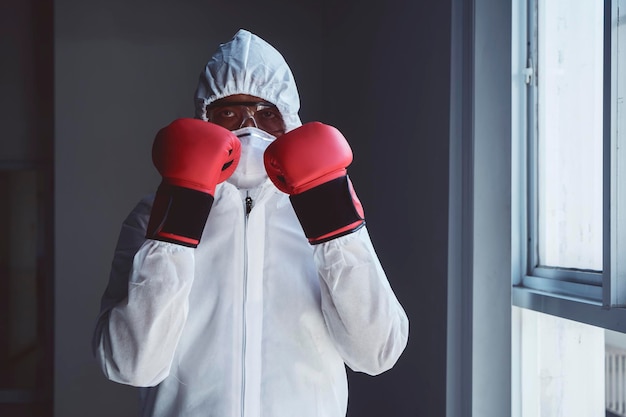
{"x": 249, "y": 281}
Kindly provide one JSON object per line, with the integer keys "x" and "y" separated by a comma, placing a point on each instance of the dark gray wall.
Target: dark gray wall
{"x": 386, "y": 83}
{"x": 123, "y": 69}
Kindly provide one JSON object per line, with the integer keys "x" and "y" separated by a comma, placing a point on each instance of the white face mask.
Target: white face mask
{"x": 250, "y": 172}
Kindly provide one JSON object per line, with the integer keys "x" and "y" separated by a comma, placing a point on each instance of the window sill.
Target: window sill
{"x": 569, "y": 307}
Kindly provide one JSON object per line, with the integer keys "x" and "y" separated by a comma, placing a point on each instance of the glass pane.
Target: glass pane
{"x": 569, "y": 144}
{"x": 615, "y": 372}
{"x": 561, "y": 366}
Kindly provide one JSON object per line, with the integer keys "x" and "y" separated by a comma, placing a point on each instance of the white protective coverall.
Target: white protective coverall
{"x": 255, "y": 321}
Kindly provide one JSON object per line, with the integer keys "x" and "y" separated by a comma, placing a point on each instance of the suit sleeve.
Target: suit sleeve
{"x": 366, "y": 321}
{"x": 145, "y": 305}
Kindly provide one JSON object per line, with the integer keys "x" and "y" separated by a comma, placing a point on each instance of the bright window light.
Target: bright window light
{"x": 569, "y": 144}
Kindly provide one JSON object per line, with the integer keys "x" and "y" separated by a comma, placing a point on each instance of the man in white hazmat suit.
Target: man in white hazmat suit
{"x": 244, "y": 287}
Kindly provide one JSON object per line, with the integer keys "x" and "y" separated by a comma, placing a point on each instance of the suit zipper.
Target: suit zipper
{"x": 248, "y": 208}
{"x": 249, "y": 204}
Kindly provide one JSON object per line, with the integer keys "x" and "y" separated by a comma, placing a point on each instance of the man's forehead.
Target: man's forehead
{"x": 238, "y": 98}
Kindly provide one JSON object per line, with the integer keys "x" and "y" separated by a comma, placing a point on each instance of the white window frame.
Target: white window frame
{"x": 593, "y": 298}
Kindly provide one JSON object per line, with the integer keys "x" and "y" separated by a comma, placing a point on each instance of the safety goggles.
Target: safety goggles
{"x": 234, "y": 115}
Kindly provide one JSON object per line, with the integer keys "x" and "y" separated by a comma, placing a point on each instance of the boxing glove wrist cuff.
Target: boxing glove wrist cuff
{"x": 179, "y": 215}
{"x": 327, "y": 211}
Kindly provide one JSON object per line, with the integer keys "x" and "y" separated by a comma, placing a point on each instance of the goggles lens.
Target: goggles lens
{"x": 233, "y": 115}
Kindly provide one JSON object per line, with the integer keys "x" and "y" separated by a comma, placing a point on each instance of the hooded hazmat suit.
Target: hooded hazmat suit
{"x": 255, "y": 321}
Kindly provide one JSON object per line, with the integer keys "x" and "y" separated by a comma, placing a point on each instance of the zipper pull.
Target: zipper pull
{"x": 248, "y": 204}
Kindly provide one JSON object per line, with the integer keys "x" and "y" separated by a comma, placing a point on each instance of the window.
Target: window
{"x": 569, "y": 144}
{"x": 555, "y": 382}
{"x": 567, "y": 139}
{"x": 569, "y": 207}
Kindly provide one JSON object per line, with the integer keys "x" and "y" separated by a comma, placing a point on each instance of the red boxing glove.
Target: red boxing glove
{"x": 309, "y": 163}
{"x": 192, "y": 156}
